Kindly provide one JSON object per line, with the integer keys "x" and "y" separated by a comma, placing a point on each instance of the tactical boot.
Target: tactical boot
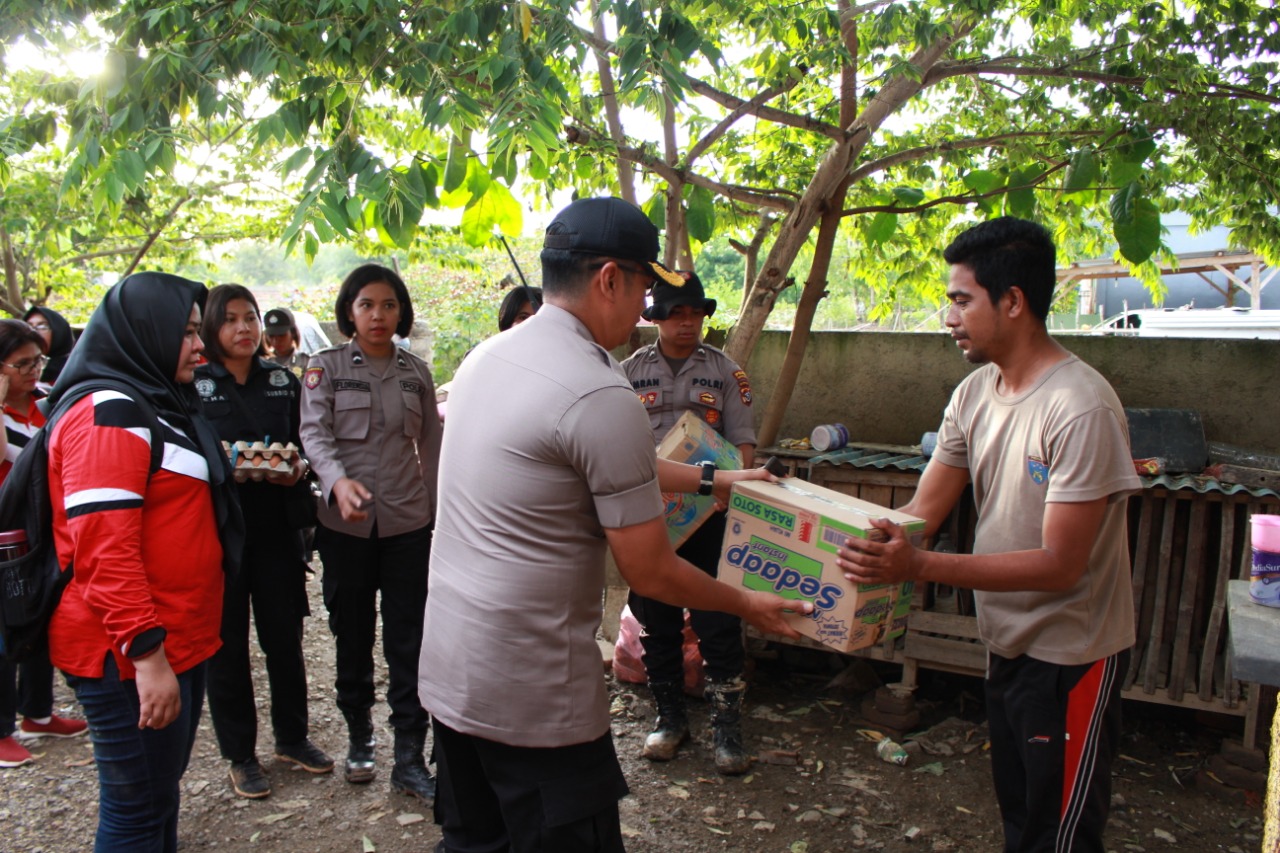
{"x": 672, "y": 727}
{"x": 360, "y": 768}
{"x": 726, "y": 725}
{"x": 410, "y": 775}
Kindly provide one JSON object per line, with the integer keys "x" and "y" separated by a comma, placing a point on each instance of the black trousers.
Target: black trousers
{"x": 719, "y": 634}
{"x": 272, "y": 580}
{"x": 496, "y": 798}
{"x": 1055, "y": 731}
{"x": 25, "y": 688}
{"x": 356, "y": 570}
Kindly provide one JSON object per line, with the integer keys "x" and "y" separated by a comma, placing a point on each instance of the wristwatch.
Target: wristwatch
{"x": 708, "y": 478}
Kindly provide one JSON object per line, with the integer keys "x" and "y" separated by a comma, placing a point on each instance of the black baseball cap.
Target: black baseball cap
{"x": 666, "y": 297}
{"x": 278, "y": 321}
{"x": 611, "y": 228}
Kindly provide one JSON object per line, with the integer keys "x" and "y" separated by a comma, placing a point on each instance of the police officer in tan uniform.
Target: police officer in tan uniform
{"x": 677, "y": 374}
{"x": 281, "y": 331}
{"x": 370, "y": 429}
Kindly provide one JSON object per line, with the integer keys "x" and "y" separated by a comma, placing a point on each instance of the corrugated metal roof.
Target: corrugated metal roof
{"x": 858, "y": 457}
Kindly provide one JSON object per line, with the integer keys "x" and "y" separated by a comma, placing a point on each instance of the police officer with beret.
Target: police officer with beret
{"x": 677, "y": 374}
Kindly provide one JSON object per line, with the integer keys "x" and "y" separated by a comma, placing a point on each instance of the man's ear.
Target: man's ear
{"x": 1016, "y": 301}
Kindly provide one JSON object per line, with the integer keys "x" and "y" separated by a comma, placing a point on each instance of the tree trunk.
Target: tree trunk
{"x": 626, "y": 169}
{"x": 12, "y": 287}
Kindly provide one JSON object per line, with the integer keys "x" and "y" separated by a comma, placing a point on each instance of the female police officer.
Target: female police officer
{"x": 370, "y": 430}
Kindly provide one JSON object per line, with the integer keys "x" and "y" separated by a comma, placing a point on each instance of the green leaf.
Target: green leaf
{"x": 496, "y": 207}
{"x": 981, "y": 180}
{"x": 455, "y": 168}
{"x": 1021, "y": 201}
{"x": 656, "y": 209}
{"x": 908, "y": 195}
{"x": 700, "y": 214}
{"x": 1083, "y": 172}
{"x": 1135, "y": 221}
{"x": 882, "y": 227}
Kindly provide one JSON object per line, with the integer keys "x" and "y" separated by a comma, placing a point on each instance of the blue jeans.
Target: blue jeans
{"x": 139, "y": 770}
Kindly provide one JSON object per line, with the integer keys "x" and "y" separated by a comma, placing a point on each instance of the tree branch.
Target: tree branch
{"x": 745, "y": 108}
{"x": 905, "y": 156}
{"x": 773, "y": 114}
{"x": 967, "y": 198}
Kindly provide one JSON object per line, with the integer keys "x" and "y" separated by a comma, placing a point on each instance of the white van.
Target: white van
{"x": 1193, "y": 323}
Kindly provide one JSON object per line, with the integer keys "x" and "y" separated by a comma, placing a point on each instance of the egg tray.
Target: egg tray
{"x": 254, "y": 460}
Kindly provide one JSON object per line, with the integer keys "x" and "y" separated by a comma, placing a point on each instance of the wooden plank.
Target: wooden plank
{"x": 1186, "y": 608}
{"x": 1151, "y": 661}
{"x": 1217, "y": 613}
{"x": 1140, "y": 561}
{"x": 876, "y": 494}
{"x": 902, "y": 496}
{"x": 949, "y": 624}
{"x": 964, "y": 655}
{"x": 1189, "y": 701}
{"x": 1253, "y": 478}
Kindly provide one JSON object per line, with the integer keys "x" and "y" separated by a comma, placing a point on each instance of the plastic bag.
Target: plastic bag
{"x": 628, "y": 660}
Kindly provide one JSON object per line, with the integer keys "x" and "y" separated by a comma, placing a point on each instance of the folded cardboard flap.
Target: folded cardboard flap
{"x": 783, "y": 537}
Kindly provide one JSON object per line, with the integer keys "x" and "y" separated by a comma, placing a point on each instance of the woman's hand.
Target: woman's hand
{"x": 159, "y": 700}
{"x": 352, "y": 497}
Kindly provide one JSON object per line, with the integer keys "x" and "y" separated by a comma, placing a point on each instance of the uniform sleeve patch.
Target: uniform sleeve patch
{"x": 744, "y": 386}
{"x": 713, "y": 416}
{"x": 313, "y": 376}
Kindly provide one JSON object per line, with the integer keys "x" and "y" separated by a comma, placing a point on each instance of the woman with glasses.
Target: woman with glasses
{"x": 58, "y": 340}
{"x": 25, "y": 687}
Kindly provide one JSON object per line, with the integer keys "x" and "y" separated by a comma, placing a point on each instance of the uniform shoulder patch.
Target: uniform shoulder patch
{"x": 744, "y": 386}
{"x": 313, "y": 376}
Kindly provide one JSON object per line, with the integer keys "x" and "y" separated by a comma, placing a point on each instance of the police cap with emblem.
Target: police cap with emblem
{"x": 610, "y": 228}
{"x": 278, "y": 321}
{"x": 666, "y": 297}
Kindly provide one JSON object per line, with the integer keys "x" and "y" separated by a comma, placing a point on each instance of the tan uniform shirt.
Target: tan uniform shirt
{"x": 545, "y": 447}
{"x": 380, "y": 430}
{"x": 296, "y": 363}
{"x": 709, "y": 384}
{"x": 1065, "y": 440}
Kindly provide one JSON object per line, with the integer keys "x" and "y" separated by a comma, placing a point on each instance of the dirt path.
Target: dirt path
{"x": 818, "y": 789}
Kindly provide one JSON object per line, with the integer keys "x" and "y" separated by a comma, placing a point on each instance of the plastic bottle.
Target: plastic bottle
{"x": 891, "y": 752}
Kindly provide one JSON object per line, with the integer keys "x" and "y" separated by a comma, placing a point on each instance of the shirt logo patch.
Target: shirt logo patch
{"x": 278, "y": 378}
{"x": 206, "y": 387}
{"x": 713, "y": 416}
{"x": 412, "y": 387}
{"x": 648, "y": 399}
{"x": 313, "y": 377}
{"x": 744, "y": 386}
{"x": 350, "y": 385}
{"x": 707, "y": 399}
{"x": 1038, "y": 470}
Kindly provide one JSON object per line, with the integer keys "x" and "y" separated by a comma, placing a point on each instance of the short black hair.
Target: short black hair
{"x": 360, "y": 278}
{"x": 1008, "y": 252}
{"x": 514, "y": 301}
{"x": 565, "y": 273}
{"x": 215, "y": 317}
{"x": 16, "y": 333}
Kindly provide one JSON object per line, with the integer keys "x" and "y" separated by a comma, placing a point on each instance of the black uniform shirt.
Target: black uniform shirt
{"x": 270, "y": 397}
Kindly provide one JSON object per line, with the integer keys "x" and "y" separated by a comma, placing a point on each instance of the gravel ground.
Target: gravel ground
{"x": 816, "y": 788}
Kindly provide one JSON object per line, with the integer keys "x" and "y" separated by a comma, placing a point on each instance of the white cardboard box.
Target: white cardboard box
{"x": 782, "y": 537}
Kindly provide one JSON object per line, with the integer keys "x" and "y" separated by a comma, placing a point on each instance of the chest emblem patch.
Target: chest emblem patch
{"x": 1038, "y": 471}
{"x": 649, "y": 399}
{"x": 706, "y": 398}
{"x": 205, "y": 387}
{"x": 313, "y": 377}
{"x": 713, "y": 416}
{"x": 278, "y": 378}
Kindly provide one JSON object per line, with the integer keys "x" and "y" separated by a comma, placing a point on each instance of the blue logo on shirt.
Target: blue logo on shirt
{"x": 1038, "y": 470}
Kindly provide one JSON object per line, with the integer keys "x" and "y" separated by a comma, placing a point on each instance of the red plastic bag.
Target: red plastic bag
{"x": 628, "y": 661}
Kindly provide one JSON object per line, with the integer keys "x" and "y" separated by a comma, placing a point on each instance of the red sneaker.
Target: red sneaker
{"x": 13, "y": 754}
{"x": 56, "y": 727}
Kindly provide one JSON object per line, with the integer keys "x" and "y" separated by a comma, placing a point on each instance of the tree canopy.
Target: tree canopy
{"x": 778, "y": 125}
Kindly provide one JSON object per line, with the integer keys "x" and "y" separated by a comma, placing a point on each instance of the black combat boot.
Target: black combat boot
{"x": 726, "y": 725}
{"x": 410, "y": 774}
{"x": 671, "y": 728}
{"x": 360, "y": 768}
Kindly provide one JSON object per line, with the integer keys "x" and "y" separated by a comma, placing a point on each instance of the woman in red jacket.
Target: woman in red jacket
{"x": 141, "y": 615}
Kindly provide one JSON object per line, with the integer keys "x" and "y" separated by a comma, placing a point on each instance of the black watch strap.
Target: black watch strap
{"x": 708, "y": 478}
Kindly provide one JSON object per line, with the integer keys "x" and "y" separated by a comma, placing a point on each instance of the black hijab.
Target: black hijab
{"x": 60, "y": 343}
{"x": 134, "y": 338}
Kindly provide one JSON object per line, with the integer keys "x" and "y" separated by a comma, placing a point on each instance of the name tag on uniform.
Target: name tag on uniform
{"x": 350, "y": 385}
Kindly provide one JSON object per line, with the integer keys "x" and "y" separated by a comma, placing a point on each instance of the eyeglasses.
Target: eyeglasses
{"x": 27, "y": 365}
{"x": 39, "y": 327}
{"x": 648, "y": 288}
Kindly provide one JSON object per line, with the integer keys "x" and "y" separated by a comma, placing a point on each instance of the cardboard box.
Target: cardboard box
{"x": 692, "y": 441}
{"x": 782, "y": 537}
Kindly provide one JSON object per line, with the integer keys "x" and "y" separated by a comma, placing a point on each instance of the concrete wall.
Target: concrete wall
{"x": 890, "y": 388}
